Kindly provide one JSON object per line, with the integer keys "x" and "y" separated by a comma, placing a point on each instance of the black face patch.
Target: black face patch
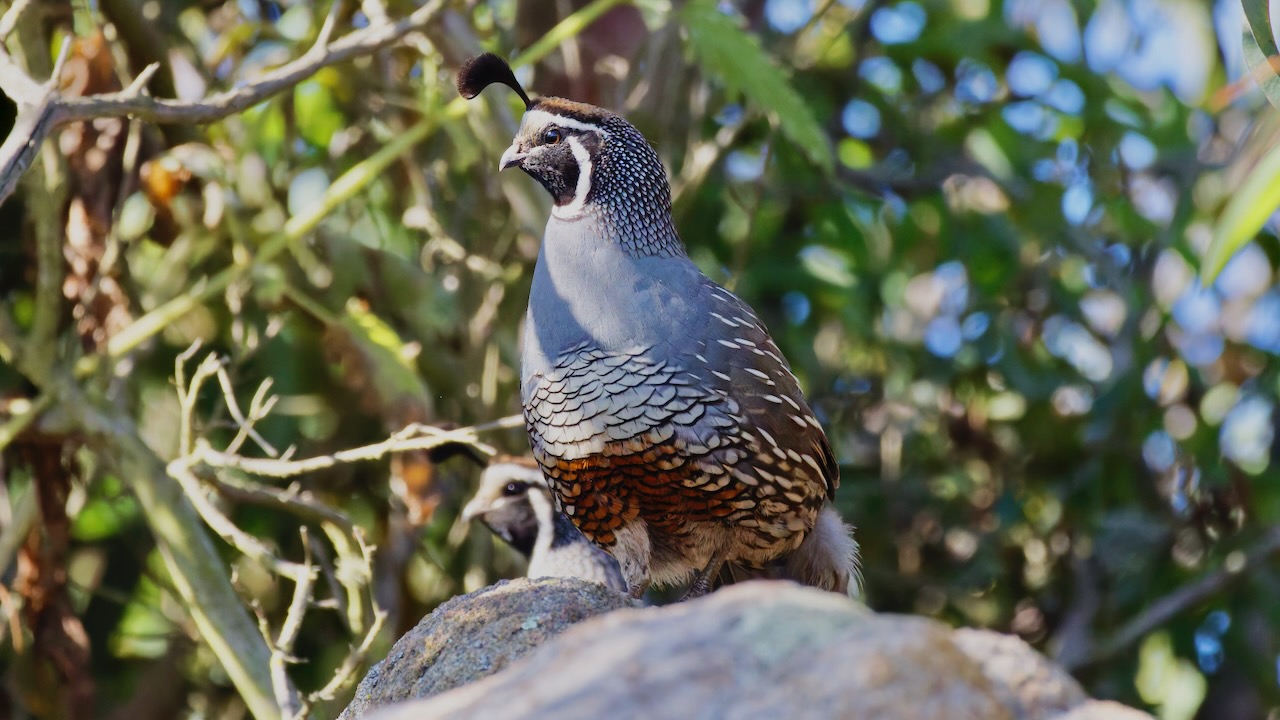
{"x": 554, "y": 164}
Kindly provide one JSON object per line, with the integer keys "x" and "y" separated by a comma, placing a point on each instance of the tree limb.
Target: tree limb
{"x": 195, "y": 568}
{"x": 1160, "y": 612}
{"x": 42, "y": 109}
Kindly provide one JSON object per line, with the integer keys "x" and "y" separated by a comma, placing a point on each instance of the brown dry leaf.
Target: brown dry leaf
{"x": 59, "y": 640}
{"x": 95, "y": 153}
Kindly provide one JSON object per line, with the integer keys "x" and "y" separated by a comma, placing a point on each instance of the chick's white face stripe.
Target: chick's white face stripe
{"x": 541, "y": 118}
{"x": 574, "y": 209}
{"x": 545, "y": 513}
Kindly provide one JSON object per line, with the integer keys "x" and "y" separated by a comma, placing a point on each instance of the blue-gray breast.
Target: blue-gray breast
{"x": 670, "y": 428}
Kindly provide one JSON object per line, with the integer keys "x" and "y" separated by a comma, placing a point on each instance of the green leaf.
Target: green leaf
{"x": 318, "y": 115}
{"x": 373, "y": 363}
{"x": 1259, "y": 194}
{"x": 1260, "y": 50}
{"x": 1246, "y": 211}
{"x": 108, "y": 512}
{"x": 737, "y": 58}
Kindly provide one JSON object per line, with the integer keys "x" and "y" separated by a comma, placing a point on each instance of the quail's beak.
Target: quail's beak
{"x": 474, "y": 509}
{"x": 513, "y": 156}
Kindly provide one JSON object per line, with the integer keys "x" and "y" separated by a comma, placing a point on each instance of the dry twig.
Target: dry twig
{"x": 42, "y": 108}
{"x": 1164, "y": 609}
{"x": 354, "y": 554}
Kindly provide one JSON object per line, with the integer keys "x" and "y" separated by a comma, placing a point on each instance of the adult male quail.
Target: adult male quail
{"x": 669, "y": 426}
{"x": 515, "y": 503}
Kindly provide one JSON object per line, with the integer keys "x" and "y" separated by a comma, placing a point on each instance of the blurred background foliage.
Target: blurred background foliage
{"x": 975, "y": 227}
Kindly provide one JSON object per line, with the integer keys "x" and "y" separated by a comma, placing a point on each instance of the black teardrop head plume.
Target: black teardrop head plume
{"x": 484, "y": 70}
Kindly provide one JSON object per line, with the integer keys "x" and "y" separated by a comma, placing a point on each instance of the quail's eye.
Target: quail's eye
{"x": 552, "y": 135}
{"x": 512, "y": 489}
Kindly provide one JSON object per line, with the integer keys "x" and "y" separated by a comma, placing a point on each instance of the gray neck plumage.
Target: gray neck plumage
{"x": 629, "y": 201}
{"x": 593, "y": 288}
{"x": 637, "y": 234}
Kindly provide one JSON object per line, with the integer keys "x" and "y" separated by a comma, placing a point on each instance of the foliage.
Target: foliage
{"x": 976, "y": 230}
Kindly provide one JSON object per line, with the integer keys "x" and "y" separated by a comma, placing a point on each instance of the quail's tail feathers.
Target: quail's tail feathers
{"x": 827, "y": 559}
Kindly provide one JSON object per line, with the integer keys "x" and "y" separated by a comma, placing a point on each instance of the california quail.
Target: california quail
{"x": 515, "y": 503}
{"x": 670, "y": 427}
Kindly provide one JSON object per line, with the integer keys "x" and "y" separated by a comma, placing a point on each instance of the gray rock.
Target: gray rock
{"x": 475, "y": 635}
{"x": 1102, "y": 710}
{"x": 756, "y": 650}
{"x": 1027, "y": 683}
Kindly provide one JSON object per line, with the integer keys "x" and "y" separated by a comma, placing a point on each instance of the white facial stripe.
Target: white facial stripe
{"x": 545, "y": 513}
{"x": 574, "y": 209}
{"x": 542, "y": 118}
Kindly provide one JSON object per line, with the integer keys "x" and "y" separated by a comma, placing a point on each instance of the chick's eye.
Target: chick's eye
{"x": 551, "y": 136}
{"x": 512, "y": 489}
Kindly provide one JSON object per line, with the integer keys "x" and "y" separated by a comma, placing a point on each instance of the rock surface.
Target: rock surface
{"x": 475, "y": 635}
{"x": 757, "y": 650}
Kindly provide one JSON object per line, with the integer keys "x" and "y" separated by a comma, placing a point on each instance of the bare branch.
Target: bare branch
{"x": 282, "y": 648}
{"x": 37, "y": 103}
{"x": 260, "y": 401}
{"x": 1186, "y": 597}
{"x": 41, "y": 109}
{"x": 326, "y": 30}
{"x": 33, "y": 125}
{"x": 247, "y": 544}
{"x": 181, "y": 470}
{"x": 414, "y": 437}
{"x": 64, "y": 52}
{"x": 346, "y": 672}
{"x": 355, "y": 556}
{"x": 139, "y": 84}
{"x": 220, "y": 105}
{"x": 10, "y": 19}
{"x": 185, "y": 431}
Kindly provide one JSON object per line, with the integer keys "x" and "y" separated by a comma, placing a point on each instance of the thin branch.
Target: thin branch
{"x": 282, "y": 648}
{"x": 41, "y": 109}
{"x": 258, "y": 409}
{"x": 291, "y": 500}
{"x": 181, "y": 470}
{"x": 414, "y": 437}
{"x": 355, "y": 556}
{"x": 355, "y": 658}
{"x": 248, "y": 545}
{"x": 346, "y": 672}
{"x": 10, "y": 19}
{"x": 139, "y": 84}
{"x": 220, "y": 105}
{"x": 1188, "y": 596}
{"x": 64, "y": 52}
{"x": 185, "y": 431}
{"x": 24, "y": 413}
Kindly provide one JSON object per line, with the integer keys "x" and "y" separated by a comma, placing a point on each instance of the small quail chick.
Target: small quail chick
{"x": 515, "y": 503}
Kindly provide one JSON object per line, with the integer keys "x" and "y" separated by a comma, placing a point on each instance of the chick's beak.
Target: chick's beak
{"x": 474, "y": 509}
{"x": 512, "y": 156}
